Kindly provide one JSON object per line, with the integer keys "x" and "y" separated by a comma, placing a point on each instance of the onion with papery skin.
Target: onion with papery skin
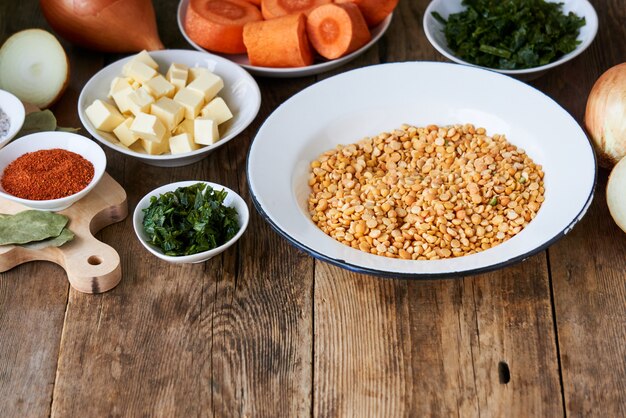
{"x": 605, "y": 116}
{"x": 105, "y": 25}
{"x": 34, "y": 67}
{"x": 616, "y": 194}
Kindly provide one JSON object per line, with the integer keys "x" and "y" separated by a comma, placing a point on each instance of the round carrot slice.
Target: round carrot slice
{"x": 336, "y": 30}
{"x": 217, "y": 25}
{"x": 276, "y": 8}
{"x": 374, "y": 11}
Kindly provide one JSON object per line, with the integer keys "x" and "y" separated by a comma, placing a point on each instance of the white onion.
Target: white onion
{"x": 605, "y": 116}
{"x": 34, "y": 67}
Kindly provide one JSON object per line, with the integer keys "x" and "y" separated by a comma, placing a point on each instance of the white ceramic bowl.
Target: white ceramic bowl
{"x": 14, "y": 109}
{"x": 241, "y": 93}
{"x": 232, "y": 200}
{"x": 349, "y": 107}
{"x": 318, "y": 67}
{"x": 79, "y": 144}
{"x": 434, "y": 32}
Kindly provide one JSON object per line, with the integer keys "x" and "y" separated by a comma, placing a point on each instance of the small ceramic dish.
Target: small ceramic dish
{"x": 241, "y": 93}
{"x": 14, "y": 109}
{"x": 434, "y": 32}
{"x": 320, "y": 66}
{"x": 232, "y": 200}
{"x": 78, "y": 144}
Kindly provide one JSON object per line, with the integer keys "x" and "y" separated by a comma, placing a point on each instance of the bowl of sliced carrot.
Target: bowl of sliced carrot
{"x": 285, "y": 38}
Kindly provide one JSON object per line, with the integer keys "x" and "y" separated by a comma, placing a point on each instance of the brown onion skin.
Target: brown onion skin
{"x": 105, "y": 25}
{"x": 605, "y": 116}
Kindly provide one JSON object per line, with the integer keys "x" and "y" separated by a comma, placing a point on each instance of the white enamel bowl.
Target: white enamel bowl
{"x": 345, "y": 108}
{"x": 318, "y": 67}
{"x": 79, "y": 144}
{"x": 434, "y": 32}
{"x": 14, "y": 109}
{"x": 241, "y": 93}
{"x": 232, "y": 199}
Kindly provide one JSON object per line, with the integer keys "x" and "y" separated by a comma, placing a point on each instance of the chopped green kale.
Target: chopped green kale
{"x": 190, "y": 220}
{"x": 511, "y": 34}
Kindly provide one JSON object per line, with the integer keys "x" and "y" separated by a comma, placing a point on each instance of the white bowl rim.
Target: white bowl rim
{"x": 316, "y": 253}
{"x": 161, "y": 54}
{"x": 593, "y": 26}
{"x": 16, "y": 112}
{"x": 38, "y": 139}
{"x": 197, "y": 257}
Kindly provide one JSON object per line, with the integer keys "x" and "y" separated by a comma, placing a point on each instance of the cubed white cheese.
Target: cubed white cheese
{"x": 124, "y": 134}
{"x": 156, "y": 147}
{"x": 118, "y": 84}
{"x": 182, "y": 143}
{"x": 185, "y": 127}
{"x": 160, "y": 87}
{"x": 208, "y": 85}
{"x": 191, "y": 100}
{"x": 148, "y": 127}
{"x": 139, "y": 101}
{"x": 168, "y": 111}
{"x": 104, "y": 116}
{"x": 122, "y": 99}
{"x": 177, "y": 74}
{"x": 205, "y": 131}
{"x": 195, "y": 72}
{"x": 139, "y": 71}
{"x": 217, "y": 110}
{"x": 145, "y": 57}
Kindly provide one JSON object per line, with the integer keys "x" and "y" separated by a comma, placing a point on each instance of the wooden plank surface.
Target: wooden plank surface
{"x": 264, "y": 330}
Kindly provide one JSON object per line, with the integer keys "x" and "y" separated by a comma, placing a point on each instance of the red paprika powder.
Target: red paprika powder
{"x": 47, "y": 174}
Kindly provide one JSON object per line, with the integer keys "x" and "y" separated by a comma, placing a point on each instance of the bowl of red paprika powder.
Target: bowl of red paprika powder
{"x": 50, "y": 170}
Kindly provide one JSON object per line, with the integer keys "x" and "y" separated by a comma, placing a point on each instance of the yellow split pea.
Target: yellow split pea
{"x": 425, "y": 193}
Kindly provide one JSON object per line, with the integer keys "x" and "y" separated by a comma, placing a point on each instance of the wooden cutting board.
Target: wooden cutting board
{"x": 91, "y": 265}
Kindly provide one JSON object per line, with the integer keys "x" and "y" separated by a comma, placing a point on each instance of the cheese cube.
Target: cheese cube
{"x": 205, "y": 131}
{"x": 177, "y": 75}
{"x": 104, "y": 116}
{"x": 124, "y": 134}
{"x": 182, "y": 143}
{"x": 217, "y": 110}
{"x": 190, "y": 100}
{"x": 195, "y": 72}
{"x": 156, "y": 147}
{"x": 185, "y": 127}
{"x": 145, "y": 57}
{"x": 148, "y": 127}
{"x": 168, "y": 111}
{"x": 159, "y": 87}
{"x": 138, "y": 71}
{"x": 139, "y": 101}
{"x": 207, "y": 84}
{"x": 118, "y": 84}
{"x": 122, "y": 99}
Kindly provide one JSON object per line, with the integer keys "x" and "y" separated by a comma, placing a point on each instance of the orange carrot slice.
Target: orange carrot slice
{"x": 217, "y": 25}
{"x": 278, "y": 42}
{"x": 336, "y": 30}
{"x": 276, "y": 8}
{"x": 374, "y": 11}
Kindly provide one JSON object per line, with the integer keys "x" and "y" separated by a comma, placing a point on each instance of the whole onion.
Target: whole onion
{"x": 104, "y": 25}
{"x": 605, "y": 116}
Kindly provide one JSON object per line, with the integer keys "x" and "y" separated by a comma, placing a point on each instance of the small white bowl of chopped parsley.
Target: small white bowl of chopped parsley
{"x": 190, "y": 221}
{"x": 521, "y": 38}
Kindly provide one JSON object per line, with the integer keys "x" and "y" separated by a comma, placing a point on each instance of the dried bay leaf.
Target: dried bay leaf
{"x": 30, "y": 225}
{"x": 65, "y": 236}
{"x": 43, "y": 120}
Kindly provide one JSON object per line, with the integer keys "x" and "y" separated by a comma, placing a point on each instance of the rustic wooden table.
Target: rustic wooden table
{"x": 266, "y": 330}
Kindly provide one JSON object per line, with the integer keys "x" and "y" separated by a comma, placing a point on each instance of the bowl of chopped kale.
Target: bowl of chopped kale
{"x": 190, "y": 221}
{"x": 521, "y": 38}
